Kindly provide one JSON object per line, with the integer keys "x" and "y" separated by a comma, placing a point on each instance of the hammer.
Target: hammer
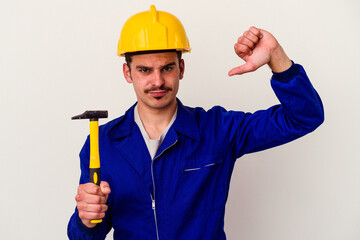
{"x": 94, "y": 116}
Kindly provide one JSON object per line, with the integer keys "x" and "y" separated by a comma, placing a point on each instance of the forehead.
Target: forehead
{"x": 154, "y": 59}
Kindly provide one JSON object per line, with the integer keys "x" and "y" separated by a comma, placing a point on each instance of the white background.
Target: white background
{"x": 58, "y": 58}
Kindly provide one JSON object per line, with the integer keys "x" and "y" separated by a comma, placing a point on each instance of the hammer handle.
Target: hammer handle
{"x": 95, "y": 176}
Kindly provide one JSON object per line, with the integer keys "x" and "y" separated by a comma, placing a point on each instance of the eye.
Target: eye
{"x": 144, "y": 70}
{"x": 167, "y": 69}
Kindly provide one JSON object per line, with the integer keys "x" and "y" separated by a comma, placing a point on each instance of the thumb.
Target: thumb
{"x": 105, "y": 188}
{"x": 246, "y": 67}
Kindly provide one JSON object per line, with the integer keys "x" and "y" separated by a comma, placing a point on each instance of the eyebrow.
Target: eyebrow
{"x": 169, "y": 65}
{"x": 141, "y": 67}
{"x": 146, "y": 67}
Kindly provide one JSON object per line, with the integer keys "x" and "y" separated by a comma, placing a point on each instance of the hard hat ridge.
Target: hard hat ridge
{"x": 152, "y": 30}
{"x": 153, "y": 13}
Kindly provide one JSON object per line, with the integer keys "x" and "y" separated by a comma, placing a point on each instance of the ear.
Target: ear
{"x": 182, "y": 69}
{"x": 127, "y": 73}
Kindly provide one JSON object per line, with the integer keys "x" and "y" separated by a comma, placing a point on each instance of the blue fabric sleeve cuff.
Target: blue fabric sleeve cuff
{"x": 288, "y": 74}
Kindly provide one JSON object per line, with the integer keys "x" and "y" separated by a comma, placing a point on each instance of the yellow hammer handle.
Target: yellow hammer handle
{"x": 95, "y": 176}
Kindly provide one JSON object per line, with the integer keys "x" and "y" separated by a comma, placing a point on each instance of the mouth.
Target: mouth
{"x": 158, "y": 92}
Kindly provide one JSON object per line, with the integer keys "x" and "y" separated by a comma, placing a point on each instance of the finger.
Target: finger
{"x": 105, "y": 188}
{"x": 245, "y": 41}
{"x": 251, "y": 36}
{"x": 83, "y": 215}
{"x": 242, "y": 50}
{"x": 90, "y": 188}
{"x": 95, "y": 208}
{"x": 245, "y": 68}
{"x": 90, "y": 198}
{"x": 256, "y": 31}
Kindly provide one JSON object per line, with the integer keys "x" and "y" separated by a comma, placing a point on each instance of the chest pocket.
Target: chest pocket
{"x": 202, "y": 183}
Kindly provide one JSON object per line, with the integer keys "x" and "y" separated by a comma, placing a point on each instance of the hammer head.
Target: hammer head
{"x": 92, "y": 115}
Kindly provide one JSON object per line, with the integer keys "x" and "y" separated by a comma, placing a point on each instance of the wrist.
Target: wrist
{"x": 279, "y": 61}
{"x": 85, "y": 229}
{"x": 88, "y": 224}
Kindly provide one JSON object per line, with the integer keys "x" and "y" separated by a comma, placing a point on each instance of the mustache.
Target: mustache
{"x": 162, "y": 88}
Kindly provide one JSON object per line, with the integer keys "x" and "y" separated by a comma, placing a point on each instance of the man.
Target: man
{"x": 166, "y": 168}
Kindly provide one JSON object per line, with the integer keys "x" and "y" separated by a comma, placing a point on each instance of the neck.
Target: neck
{"x": 155, "y": 121}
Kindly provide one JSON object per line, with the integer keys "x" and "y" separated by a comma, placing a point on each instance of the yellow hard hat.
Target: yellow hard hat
{"x": 152, "y": 30}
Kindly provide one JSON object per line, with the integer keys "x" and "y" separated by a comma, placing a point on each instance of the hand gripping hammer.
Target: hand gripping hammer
{"x": 93, "y": 116}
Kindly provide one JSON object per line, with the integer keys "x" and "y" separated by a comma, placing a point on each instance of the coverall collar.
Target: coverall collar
{"x": 184, "y": 124}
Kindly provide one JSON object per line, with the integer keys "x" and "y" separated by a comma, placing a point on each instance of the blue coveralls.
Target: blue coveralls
{"x": 181, "y": 194}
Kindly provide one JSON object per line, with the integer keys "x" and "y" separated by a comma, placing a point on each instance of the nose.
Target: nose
{"x": 158, "y": 79}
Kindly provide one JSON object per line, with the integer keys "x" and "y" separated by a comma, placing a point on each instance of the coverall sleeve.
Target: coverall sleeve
{"x": 300, "y": 112}
{"x": 76, "y": 229}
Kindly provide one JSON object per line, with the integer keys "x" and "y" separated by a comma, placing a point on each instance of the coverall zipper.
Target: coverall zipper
{"x": 153, "y": 200}
{"x": 153, "y": 207}
{"x": 153, "y": 181}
